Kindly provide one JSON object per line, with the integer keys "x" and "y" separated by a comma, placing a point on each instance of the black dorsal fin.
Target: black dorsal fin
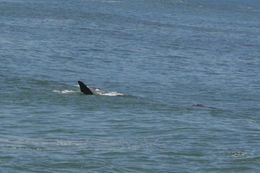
{"x": 84, "y": 88}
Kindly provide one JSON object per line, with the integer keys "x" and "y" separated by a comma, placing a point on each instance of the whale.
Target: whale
{"x": 96, "y": 91}
{"x": 87, "y": 90}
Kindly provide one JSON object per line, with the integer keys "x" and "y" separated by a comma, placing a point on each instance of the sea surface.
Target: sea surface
{"x": 154, "y": 59}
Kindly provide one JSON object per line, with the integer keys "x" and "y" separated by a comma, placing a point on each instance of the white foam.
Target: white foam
{"x": 65, "y": 91}
{"x": 111, "y": 94}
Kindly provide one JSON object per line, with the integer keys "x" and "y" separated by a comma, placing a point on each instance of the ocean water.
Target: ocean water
{"x": 154, "y": 59}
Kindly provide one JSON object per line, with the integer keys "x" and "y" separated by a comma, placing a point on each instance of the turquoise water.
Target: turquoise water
{"x": 154, "y": 59}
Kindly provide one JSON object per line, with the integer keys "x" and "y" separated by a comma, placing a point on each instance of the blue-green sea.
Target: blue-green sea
{"x": 181, "y": 82}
